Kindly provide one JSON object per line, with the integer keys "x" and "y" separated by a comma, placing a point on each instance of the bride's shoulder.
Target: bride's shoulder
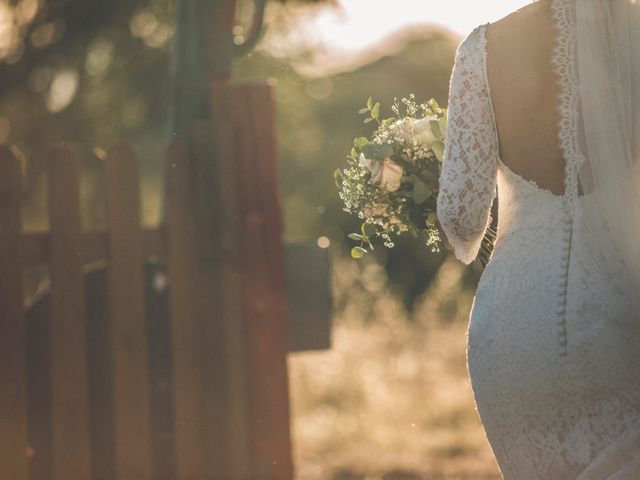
{"x": 528, "y": 20}
{"x": 474, "y": 41}
{"x": 525, "y": 35}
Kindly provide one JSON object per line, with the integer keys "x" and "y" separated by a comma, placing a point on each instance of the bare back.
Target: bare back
{"x": 524, "y": 94}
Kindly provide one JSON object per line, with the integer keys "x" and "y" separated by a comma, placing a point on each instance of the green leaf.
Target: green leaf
{"x": 435, "y": 129}
{"x": 443, "y": 126}
{"x": 432, "y": 218}
{"x": 355, "y": 236}
{"x": 358, "y": 252}
{"x": 354, "y": 153}
{"x": 337, "y": 176}
{"x": 388, "y": 121}
{"x": 368, "y": 119}
{"x": 364, "y": 227}
{"x": 374, "y": 151}
{"x": 421, "y": 192}
{"x": 362, "y": 111}
{"x": 370, "y": 103}
{"x": 438, "y": 150}
{"x": 433, "y": 104}
{"x": 375, "y": 111}
{"x": 360, "y": 142}
{"x": 429, "y": 178}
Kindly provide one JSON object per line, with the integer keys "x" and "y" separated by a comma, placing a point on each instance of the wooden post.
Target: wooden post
{"x": 264, "y": 290}
{"x": 68, "y": 334}
{"x": 128, "y": 332}
{"x": 186, "y": 317}
{"x": 14, "y": 450}
{"x": 229, "y": 258}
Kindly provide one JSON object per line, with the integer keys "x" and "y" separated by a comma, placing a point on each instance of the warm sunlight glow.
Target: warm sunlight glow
{"x": 62, "y": 90}
{"x": 361, "y": 23}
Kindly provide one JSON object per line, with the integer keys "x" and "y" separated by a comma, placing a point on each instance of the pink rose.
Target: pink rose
{"x": 388, "y": 176}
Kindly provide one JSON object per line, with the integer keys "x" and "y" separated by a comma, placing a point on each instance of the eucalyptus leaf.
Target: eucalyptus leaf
{"x": 435, "y": 129}
{"x": 432, "y": 218}
{"x": 355, "y": 236}
{"x": 388, "y": 121}
{"x": 438, "y": 150}
{"x": 362, "y": 111}
{"x": 337, "y": 176}
{"x": 433, "y": 104}
{"x": 429, "y": 177}
{"x": 366, "y": 226}
{"x": 374, "y": 151}
{"x": 443, "y": 126}
{"x": 421, "y": 192}
{"x": 358, "y": 252}
{"x": 375, "y": 111}
{"x": 368, "y": 119}
{"x": 370, "y": 103}
{"x": 360, "y": 142}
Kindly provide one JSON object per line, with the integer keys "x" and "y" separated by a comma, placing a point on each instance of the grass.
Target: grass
{"x": 391, "y": 399}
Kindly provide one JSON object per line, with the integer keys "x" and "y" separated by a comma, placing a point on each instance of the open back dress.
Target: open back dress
{"x": 553, "y": 358}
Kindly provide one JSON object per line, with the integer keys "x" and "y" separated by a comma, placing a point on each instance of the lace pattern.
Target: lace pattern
{"x": 468, "y": 178}
{"x": 563, "y": 59}
{"x": 549, "y": 413}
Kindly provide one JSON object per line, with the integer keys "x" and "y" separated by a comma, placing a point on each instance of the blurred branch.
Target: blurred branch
{"x": 254, "y": 32}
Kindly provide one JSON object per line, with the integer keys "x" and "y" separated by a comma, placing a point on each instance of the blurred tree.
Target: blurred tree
{"x": 97, "y": 72}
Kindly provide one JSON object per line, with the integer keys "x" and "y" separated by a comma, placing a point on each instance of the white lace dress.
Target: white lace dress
{"x": 555, "y": 372}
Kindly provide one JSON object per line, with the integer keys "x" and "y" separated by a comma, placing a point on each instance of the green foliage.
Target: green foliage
{"x": 398, "y": 144}
{"x": 358, "y": 252}
{"x": 377, "y": 152}
{"x": 421, "y": 192}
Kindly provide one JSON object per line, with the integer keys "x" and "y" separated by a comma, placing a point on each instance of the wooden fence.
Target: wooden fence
{"x": 90, "y": 391}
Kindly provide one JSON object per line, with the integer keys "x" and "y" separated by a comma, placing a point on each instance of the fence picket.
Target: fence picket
{"x": 14, "y": 450}
{"x": 237, "y": 432}
{"x": 264, "y": 284}
{"x": 128, "y": 330}
{"x": 68, "y": 334}
{"x": 190, "y": 439}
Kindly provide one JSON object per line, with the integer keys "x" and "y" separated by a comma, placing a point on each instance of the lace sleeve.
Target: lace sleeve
{"x": 469, "y": 168}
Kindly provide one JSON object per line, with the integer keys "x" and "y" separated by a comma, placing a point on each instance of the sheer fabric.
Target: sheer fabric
{"x": 608, "y": 70}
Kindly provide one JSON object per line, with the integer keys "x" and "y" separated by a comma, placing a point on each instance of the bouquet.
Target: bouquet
{"x": 391, "y": 181}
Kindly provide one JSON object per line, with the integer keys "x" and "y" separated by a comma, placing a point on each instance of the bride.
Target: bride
{"x": 545, "y": 105}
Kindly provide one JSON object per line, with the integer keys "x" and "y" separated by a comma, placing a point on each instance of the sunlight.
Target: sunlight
{"x": 62, "y": 90}
{"x": 358, "y": 24}
{"x": 7, "y": 29}
{"x": 99, "y": 56}
{"x": 330, "y": 39}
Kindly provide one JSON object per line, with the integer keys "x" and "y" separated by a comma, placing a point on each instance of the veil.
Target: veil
{"x": 608, "y": 72}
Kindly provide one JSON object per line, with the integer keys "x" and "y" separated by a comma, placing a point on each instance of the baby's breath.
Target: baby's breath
{"x": 411, "y": 208}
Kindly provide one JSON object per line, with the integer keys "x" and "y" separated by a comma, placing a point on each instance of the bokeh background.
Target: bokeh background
{"x": 391, "y": 398}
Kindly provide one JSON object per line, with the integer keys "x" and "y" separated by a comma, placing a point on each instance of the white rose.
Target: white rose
{"x": 388, "y": 176}
{"x": 374, "y": 166}
{"x": 422, "y": 129}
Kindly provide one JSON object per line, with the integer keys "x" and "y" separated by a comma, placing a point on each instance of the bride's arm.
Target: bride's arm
{"x": 469, "y": 168}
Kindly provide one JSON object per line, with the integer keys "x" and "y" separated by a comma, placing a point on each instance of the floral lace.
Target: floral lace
{"x": 563, "y": 60}
{"x": 554, "y": 374}
{"x": 468, "y": 178}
